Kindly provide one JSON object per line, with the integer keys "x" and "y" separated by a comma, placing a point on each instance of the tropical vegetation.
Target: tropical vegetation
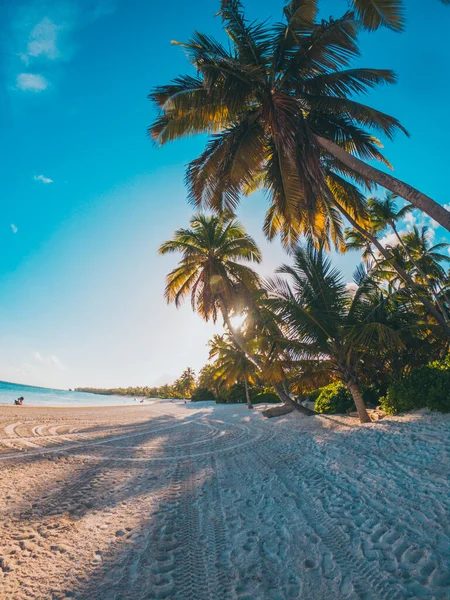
{"x": 279, "y": 104}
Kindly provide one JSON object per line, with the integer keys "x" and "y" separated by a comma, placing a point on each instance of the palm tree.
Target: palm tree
{"x": 384, "y": 212}
{"x": 231, "y": 364}
{"x": 329, "y": 329}
{"x": 394, "y": 260}
{"x": 354, "y": 240}
{"x": 428, "y": 259}
{"x": 212, "y": 274}
{"x": 375, "y": 13}
{"x": 185, "y": 384}
{"x": 211, "y": 270}
{"x": 278, "y": 105}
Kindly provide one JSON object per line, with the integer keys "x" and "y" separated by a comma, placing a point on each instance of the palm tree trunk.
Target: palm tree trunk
{"x": 358, "y": 400}
{"x": 285, "y": 398}
{"x": 425, "y": 277}
{"x": 418, "y": 199}
{"x": 403, "y": 274}
{"x": 247, "y": 395}
{"x": 237, "y": 338}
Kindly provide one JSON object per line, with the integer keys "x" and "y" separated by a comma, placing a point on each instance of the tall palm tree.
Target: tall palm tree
{"x": 428, "y": 258}
{"x": 211, "y": 270}
{"x": 394, "y": 259}
{"x": 280, "y": 110}
{"x": 354, "y": 240}
{"x": 212, "y": 274}
{"x": 231, "y": 364}
{"x": 330, "y": 330}
{"x": 383, "y": 213}
{"x": 185, "y": 384}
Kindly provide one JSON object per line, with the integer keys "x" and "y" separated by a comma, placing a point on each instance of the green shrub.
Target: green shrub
{"x": 313, "y": 395}
{"x": 334, "y": 398}
{"x": 426, "y": 387}
{"x": 202, "y": 393}
{"x": 267, "y": 397}
{"x": 234, "y": 395}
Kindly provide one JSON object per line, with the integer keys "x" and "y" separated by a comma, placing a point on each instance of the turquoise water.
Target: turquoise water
{"x": 36, "y": 396}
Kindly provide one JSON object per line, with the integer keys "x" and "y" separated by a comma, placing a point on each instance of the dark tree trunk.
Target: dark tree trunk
{"x": 286, "y": 399}
{"x": 247, "y": 395}
{"x": 418, "y": 199}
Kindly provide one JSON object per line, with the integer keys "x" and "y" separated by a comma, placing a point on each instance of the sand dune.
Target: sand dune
{"x": 205, "y": 502}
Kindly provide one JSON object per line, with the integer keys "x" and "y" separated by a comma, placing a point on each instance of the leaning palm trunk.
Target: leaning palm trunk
{"x": 418, "y": 199}
{"x": 283, "y": 396}
{"x": 247, "y": 394}
{"x": 403, "y": 274}
{"x": 358, "y": 400}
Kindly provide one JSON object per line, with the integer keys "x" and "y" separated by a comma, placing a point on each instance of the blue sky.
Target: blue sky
{"x": 87, "y": 199}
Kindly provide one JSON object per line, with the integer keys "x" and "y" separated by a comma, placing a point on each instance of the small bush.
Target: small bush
{"x": 267, "y": 397}
{"x": 334, "y": 398}
{"x": 313, "y": 395}
{"x": 426, "y": 387}
{"x": 202, "y": 393}
{"x": 234, "y": 395}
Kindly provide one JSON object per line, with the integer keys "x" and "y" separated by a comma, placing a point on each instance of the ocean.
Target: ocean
{"x": 36, "y": 396}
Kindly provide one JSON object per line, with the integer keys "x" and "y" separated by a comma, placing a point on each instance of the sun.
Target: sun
{"x": 237, "y": 321}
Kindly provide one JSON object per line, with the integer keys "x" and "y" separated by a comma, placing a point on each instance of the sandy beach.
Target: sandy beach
{"x": 206, "y": 502}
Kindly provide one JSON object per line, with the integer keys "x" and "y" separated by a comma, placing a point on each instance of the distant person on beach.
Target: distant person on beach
{"x": 19, "y": 401}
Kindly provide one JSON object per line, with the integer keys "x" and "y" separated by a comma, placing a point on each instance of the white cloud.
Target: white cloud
{"x": 38, "y": 356}
{"x": 31, "y": 82}
{"x": 43, "y": 40}
{"x": 55, "y": 361}
{"x": 430, "y": 234}
{"x": 390, "y": 239}
{"x": 43, "y": 179}
{"x": 14, "y": 228}
{"x": 410, "y": 220}
{"x": 41, "y": 33}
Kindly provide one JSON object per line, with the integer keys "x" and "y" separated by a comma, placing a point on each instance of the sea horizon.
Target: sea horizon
{"x": 46, "y": 396}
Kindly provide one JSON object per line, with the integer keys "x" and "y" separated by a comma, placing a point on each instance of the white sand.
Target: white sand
{"x": 204, "y": 502}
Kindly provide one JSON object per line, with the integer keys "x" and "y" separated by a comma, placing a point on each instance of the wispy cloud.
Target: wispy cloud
{"x": 41, "y": 34}
{"x": 55, "y": 361}
{"x": 14, "y": 228}
{"x": 43, "y": 40}
{"x": 43, "y": 179}
{"x": 51, "y": 360}
{"x": 31, "y": 82}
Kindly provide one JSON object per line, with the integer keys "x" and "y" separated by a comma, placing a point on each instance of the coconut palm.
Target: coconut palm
{"x": 395, "y": 260}
{"x": 354, "y": 240}
{"x": 330, "y": 329}
{"x": 185, "y": 384}
{"x": 231, "y": 364}
{"x": 280, "y": 110}
{"x": 383, "y": 213}
{"x": 211, "y": 270}
{"x": 212, "y": 274}
{"x": 376, "y": 13}
{"x": 427, "y": 258}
